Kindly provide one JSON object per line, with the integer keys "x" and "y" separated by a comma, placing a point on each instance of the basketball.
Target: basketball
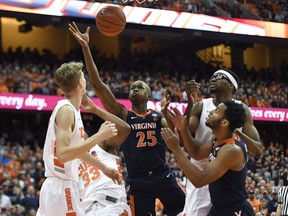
{"x": 110, "y": 20}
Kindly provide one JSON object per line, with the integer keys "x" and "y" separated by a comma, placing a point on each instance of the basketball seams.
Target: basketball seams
{"x": 110, "y": 30}
{"x": 115, "y": 13}
{"x": 104, "y": 20}
{"x": 110, "y": 20}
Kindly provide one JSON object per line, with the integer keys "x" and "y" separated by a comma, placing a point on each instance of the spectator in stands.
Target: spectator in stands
{"x": 5, "y": 203}
{"x": 272, "y": 203}
{"x": 30, "y": 200}
{"x": 255, "y": 203}
{"x": 3, "y": 87}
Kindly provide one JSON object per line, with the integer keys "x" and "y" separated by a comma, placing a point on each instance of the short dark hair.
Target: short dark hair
{"x": 235, "y": 114}
{"x": 234, "y": 76}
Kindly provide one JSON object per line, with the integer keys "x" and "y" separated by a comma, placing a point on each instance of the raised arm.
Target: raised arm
{"x": 250, "y": 135}
{"x": 101, "y": 89}
{"x": 192, "y": 89}
{"x": 166, "y": 122}
{"x": 122, "y": 127}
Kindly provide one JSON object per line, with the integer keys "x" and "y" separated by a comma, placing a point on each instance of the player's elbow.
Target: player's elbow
{"x": 258, "y": 151}
{"x": 124, "y": 130}
{"x": 62, "y": 158}
{"x": 127, "y": 129}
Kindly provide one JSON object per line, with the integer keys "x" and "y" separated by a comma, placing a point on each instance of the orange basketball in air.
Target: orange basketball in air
{"x": 110, "y": 20}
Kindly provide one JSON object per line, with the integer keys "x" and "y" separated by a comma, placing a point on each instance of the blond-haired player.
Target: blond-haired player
{"x": 65, "y": 145}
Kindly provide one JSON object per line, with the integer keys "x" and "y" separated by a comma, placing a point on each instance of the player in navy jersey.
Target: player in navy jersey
{"x": 144, "y": 151}
{"x": 226, "y": 171}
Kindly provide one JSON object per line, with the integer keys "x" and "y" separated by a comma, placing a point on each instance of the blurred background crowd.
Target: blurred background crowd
{"x": 28, "y": 71}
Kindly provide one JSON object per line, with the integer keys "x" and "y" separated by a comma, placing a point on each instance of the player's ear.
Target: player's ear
{"x": 225, "y": 122}
{"x": 81, "y": 82}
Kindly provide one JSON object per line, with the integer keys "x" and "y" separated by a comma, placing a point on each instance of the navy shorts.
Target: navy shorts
{"x": 240, "y": 209}
{"x": 163, "y": 185}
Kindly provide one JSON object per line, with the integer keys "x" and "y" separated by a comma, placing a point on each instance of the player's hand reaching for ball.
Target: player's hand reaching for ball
{"x": 82, "y": 38}
{"x": 113, "y": 174}
{"x": 108, "y": 130}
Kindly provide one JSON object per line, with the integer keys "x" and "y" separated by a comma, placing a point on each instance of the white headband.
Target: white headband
{"x": 230, "y": 77}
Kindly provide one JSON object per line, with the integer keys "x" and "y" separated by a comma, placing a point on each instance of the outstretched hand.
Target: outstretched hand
{"x": 171, "y": 139}
{"x": 179, "y": 121}
{"x": 112, "y": 174}
{"x": 82, "y": 38}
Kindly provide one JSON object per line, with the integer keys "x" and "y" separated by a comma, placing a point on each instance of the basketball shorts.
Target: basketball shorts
{"x": 59, "y": 197}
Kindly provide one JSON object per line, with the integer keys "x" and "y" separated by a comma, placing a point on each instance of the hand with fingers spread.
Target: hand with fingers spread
{"x": 108, "y": 130}
{"x": 179, "y": 121}
{"x": 192, "y": 89}
{"x": 171, "y": 139}
{"x": 82, "y": 38}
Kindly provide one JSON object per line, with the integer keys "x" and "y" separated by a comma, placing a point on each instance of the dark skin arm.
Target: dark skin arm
{"x": 197, "y": 150}
{"x": 122, "y": 127}
{"x": 250, "y": 135}
{"x": 164, "y": 107}
{"x": 101, "y": 89}
{"x": 193, "y": 123}
{"x": 192, "y": 89}
{"x": 229, "y": 157}
{"x": 108, "y": 145}
{"x": 193, "y": 111}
